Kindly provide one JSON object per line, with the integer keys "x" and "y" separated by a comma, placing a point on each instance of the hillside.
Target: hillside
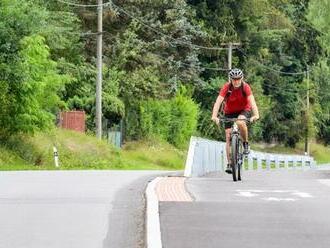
{"x": 80, "y": 151}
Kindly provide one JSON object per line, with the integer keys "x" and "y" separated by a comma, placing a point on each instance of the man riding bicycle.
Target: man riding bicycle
{"x": 239, "y": 101}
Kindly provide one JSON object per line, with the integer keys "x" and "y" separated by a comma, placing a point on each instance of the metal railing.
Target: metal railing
{"x": 205, "y": 156}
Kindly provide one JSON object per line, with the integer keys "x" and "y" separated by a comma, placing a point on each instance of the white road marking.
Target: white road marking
{"x": 302, "y": 194}
{"x": 251, "y": 190}
{"x": 246, "y": 194}
{"x": 296, "y": 193}
{"x": 267, "y": 191}
{"x": 284, "y": 191}
{"x": 325, "y": 181}
{"x": 278, "y": 199}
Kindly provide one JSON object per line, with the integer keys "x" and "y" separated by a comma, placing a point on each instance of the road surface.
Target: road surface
{"x": 73, "y": 209}
{"x": 267, "y": 210}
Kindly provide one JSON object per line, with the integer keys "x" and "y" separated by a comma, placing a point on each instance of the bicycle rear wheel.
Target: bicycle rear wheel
{"x": 234, "y": 156}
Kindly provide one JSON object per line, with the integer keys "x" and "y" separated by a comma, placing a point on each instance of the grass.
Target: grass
{"x": 153, "y": 154}
{"x": 80, "y": 151}
{"x": 8, "y": 160}
{"x": 320, "y": 152}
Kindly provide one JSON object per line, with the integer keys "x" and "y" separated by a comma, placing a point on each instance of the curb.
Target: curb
{"x": 154, "y": 239}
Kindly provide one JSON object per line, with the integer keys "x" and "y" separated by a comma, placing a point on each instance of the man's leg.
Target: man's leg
{"x": 228, "y": 170}
{"x": 244, "y": 133}
{"x": 243, "y": 128}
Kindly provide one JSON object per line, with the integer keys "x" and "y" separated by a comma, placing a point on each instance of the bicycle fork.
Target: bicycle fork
{"x": 236, "y": 132}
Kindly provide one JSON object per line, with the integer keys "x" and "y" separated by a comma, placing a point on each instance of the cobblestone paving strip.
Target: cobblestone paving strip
{"x": 172, "y": 189}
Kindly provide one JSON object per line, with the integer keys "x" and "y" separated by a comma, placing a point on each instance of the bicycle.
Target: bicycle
{"x": 236, "y": 147}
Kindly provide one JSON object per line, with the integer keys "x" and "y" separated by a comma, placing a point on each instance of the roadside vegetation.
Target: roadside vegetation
{"x": 80, "y": 151}
{"x": 163, "y": 66}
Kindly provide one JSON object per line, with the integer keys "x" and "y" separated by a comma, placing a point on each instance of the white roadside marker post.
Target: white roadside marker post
{"x": 56, "y": 157}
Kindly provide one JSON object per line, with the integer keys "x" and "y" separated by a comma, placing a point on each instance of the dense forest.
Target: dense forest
{"x": 164, "y": 62}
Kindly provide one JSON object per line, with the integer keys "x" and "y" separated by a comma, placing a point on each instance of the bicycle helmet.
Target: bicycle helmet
{"x": 235, "y": 73}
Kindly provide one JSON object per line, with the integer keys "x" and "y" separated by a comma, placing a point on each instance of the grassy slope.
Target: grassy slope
{"x": 153, "y": 155}
{"x": 79, "y": 151}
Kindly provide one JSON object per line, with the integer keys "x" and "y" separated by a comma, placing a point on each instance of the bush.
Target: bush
{"x": 173, "y": 120}
{"x": 184, "y": 120}
{"x": 156, "y": 118}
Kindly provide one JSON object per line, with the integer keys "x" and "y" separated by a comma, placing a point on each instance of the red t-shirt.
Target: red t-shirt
{"x": 236, "y": 102}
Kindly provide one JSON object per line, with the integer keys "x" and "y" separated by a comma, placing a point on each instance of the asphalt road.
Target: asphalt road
{"x": 73, "y": 209}
{"x": 267, "y": 209}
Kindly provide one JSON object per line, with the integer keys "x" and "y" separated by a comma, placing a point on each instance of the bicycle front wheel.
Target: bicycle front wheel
{"x": 234, "y": 156}
{"x": 240, "y": 161}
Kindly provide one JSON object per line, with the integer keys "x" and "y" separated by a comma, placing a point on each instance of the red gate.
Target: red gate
{"x": 74, "y": 120}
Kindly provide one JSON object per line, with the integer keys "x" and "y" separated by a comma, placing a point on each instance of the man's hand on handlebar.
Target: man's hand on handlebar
{"x": 216, "y": 120}
{"x": 254, "y": 119}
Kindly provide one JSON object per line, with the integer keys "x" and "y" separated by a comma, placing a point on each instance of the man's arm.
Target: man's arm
{"x": 255, "y": 110}
{"x": 216, "y": 108}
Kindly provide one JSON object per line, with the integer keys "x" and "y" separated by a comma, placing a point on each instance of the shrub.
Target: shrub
{"x": 173, "y": 120}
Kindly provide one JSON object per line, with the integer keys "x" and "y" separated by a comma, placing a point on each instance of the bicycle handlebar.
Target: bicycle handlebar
{"x": 226, "y": 119}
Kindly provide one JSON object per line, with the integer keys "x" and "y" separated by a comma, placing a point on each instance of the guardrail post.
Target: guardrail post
{"x": 277, "y": 162}
{"x": 286, "y": 163}
{"x": 294, "y": 162}
{"x": 217, "y": 158}
{"x": 250, "y": 162}
{"x": 206, "y": 160}
{"x": 225, "y": 162}
{"x": 268, "y": 162}
{"x": 259, "y": 162}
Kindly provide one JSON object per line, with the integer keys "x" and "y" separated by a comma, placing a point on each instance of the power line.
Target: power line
{"x": 272, "y": 69}
{"x": 291, "y": 90}
{"x": 89, "y": 33}
{"x": 163, "y": 34}
{"x": 166, "y": 59}
{"x": 214, "y": 68}
{"x": 206, "y": 68}
{"x": 194, "y": 66}
{"x": 278, "y": 71}
{"x": 178, "y": 41}
{"x": 84, "y": 5}
{"x": 183, "y": 63}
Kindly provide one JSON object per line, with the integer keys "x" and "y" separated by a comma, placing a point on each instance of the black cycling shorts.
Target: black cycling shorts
{"x": 246, "y": 113}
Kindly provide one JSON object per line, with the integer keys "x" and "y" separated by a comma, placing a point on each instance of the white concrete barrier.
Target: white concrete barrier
{"x": 206, "y": 156}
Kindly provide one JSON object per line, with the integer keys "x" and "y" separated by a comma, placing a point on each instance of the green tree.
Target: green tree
{"x": 29, "y": 77}
{"x": 318, "y": 14}
{"x": 31, "y": 102}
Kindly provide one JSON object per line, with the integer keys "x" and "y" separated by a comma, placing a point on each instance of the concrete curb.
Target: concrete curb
{"x": 154, "y": 238}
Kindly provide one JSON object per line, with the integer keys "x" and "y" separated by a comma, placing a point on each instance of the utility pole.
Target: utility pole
{"x": 230, "y": 54}
{"x": 307, "y": 115}
{"x": 98, "y": 118}
{"x": 230, "y": 46}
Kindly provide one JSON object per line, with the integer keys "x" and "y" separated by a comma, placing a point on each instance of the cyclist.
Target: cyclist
{"x": 238, "y": 100}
